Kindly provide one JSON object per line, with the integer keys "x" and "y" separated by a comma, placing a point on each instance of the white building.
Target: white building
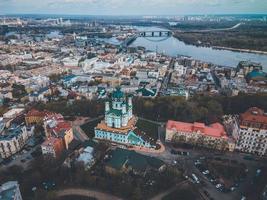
{"x": 252, "y": 135}
{"x": 37, "y": 82}
{"x": 10, "y": 191}
{"x": 180, "y": 69}
{"x": 119, "y": 112}
{"x": 87, "y": 157}
{"x": 14, "y": 139}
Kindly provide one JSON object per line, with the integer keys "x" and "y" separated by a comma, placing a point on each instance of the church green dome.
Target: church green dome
{"x": 117, "y": 94}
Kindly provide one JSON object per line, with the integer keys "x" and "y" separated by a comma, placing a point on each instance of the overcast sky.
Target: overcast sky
{"x": 133, "y": 7}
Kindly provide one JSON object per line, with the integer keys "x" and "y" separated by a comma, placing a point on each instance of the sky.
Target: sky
{"x": 133, "y": 7}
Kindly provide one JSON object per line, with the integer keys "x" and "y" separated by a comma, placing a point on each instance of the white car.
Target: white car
{"x": 218, "y": 186}
{"x": 206, "y": 172}
{"x": 232, "y": 188}
{"x": 197, "y": 162}
{"x": 195, "y": 178}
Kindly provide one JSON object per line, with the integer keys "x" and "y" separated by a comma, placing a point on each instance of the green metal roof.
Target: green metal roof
{"x": 115, "y": 112}
{"x": 8, "y": 193}
{"x": 132, "y": 159}
{"x": 117, "y": 93}
{"x": 134, "y": 139}
{"x": 146, "y": 92}
{"x": 257, "y": 74}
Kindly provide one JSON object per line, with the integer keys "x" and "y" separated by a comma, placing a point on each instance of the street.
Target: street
{"x": 187, "y": 164}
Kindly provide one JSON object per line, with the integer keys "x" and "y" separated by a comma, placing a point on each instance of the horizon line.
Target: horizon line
{"x": 133, "y": 15}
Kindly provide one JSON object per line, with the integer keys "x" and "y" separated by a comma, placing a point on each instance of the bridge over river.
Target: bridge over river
{"x": 162, "y": 34}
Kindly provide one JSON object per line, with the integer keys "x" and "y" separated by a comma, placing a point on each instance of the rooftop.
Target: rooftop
{"x": 51, "y": 141}
{"x": 117, "y": 93}
{"x": 11, "y": 133}
{"x": 254, "y": 115}
{"x": 8, "y": 190}
{"x": 139, "y": 162}
{"x": 13, "y": 111}
{"x": 123, "y": 130}
{"x": 214, "y": 130}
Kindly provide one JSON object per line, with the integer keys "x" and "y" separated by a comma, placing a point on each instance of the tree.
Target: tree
{"x": 18, "y": 91}
{"x": 137, "y": 193}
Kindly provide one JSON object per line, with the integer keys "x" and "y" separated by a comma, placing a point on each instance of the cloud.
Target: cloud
{"x": 117, "y": 7}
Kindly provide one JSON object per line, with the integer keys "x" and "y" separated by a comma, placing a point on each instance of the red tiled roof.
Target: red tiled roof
{"x": 254, "y": 115}
{"x": 62, "y": 125}
{"x": 214, "y": 130}
{"x": 55, "y": 116}
{"x": 51, "y": 141}
{"x": 37, "y": 113}
{"x": 34, "y": 112}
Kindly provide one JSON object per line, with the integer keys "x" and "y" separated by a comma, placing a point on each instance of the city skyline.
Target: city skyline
{"x": 126, "y": 7}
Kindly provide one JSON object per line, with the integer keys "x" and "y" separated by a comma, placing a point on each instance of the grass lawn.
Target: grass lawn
{"x": 89, "y": 128}
{"x": 149, "y": 128}
{"x": 185, "y": 193}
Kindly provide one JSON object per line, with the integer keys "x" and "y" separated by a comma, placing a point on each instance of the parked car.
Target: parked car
{"x": 233, "y": 188}
{"x": 197, "y": 162}
{"x": 185, "y": 153}
{"x": 175, "y": 152}
{"x": 205, "y": 172}
{"x": 195, "y": 178}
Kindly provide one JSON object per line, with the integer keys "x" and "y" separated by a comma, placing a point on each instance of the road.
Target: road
{"x": 187, "y": 163}
{"x": 86, "y": 193}
{"x": 163, "y": 194}
{"x": 218, "y": 29}
{"x": 167, "y": 76}
{"x": 78, "y": 133}
{"x": 22, "y": 155}
{"x": 105, "y": 196}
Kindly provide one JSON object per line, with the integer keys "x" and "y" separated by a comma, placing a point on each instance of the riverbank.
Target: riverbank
{"x": 240, "y": 50}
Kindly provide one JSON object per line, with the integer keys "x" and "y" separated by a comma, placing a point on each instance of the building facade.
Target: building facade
{"x": 119, "y": 123}
{"x": 59, "y": 134}
{"x": 53, "y": 146}
{"x": 14, "y": 139}
{"x": 36, "y": 117}
{"x": 252, "y": 134}
{"x": 213, "y": 136}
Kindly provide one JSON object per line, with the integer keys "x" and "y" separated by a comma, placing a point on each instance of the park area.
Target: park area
{"x": 149, "y": 127}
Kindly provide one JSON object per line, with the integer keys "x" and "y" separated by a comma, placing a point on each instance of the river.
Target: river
{"x": 173, "y": 47}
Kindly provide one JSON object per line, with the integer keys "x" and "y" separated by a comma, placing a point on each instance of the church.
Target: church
{"x": 119, "y": 125}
